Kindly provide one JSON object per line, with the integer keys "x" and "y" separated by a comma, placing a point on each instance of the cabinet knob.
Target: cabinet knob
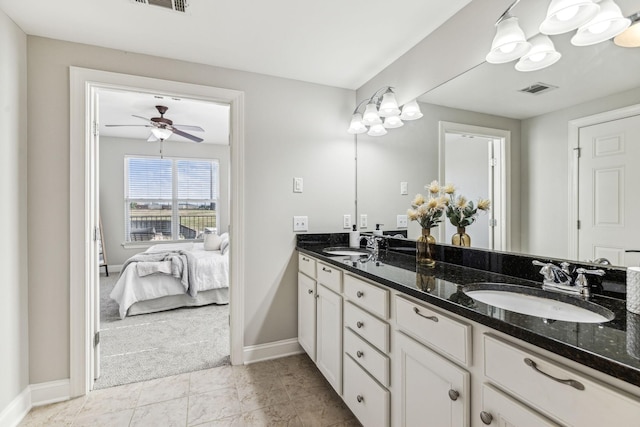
{"x": 360, "y": 398}
{"x": 359, "y": 354}
{"x": 359, "y": 294}
{"x": 486, "y": 417}
{"x": 310, "y": 291}
{"x": 359, "y": 324}
{"x": 453, "y": 395}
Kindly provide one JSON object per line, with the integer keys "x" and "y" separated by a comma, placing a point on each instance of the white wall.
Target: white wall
{"x": 545, "y": 174}
{"x": 14, "y": 338}
{"x": 112, "y": 152}
{"x": 293, "y": 129}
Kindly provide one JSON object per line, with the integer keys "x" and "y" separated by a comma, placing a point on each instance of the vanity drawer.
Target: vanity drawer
{"x": 330, "y": 276}
{"x": 307, "y": 265}
{"x": 533, "y": 379}
{"x": 376, "y": 363}
{"x": 369, "y": 327}
{"x": 439, "y": 331}
{"x": 368, "y": 296}
{"x": 367, "y": 399}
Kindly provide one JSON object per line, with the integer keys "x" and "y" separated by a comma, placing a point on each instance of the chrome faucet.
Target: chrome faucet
{"x": 560, "y": 278}
{"x": 373, "y": 244}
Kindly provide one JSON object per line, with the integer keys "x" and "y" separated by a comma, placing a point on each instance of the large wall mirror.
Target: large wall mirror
{"x": 546, "y": 185}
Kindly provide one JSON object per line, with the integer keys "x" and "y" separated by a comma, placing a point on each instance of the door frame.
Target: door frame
{"x": 501, "y": 190}
{"x": 82, "y": 160}
{"x": 573, "y": 145}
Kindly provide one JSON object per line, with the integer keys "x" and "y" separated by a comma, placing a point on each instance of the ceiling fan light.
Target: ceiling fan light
{"x": 161, "y": 133}
{"x": 411, "y": 111}
{"x": 356, "y": 126}
{"x": 393, "y": 122}
{"x": 370, "y": 116}
{"x": 509, "y": 42}
{"x": 377, "y": 130}
{"x": 608, "y": 23}
{"x": 542, "y": 54}
{"x": 567, "y": 15}
{"x": 389, "y": 105}
{"x": 631, "y": 36}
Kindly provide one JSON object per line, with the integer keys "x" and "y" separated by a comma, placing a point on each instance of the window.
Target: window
{"x": 169, "y": 199}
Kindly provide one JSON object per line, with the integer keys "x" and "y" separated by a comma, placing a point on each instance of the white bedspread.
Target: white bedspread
{"x": 212, "y": 272}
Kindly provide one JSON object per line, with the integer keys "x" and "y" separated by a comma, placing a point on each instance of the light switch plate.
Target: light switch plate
{"x": 346, "y": 221}
{"x": 404, "y": 188}
{"x": 300, "y": 223}
{"x": 297, "y": 185}
{"x": 402, "y": 221}
{"x": 363, "y": 221}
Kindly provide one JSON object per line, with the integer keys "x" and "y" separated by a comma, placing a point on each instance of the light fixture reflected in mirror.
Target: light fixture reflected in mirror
{"x": 542, "y": 54}
{"x": 509, "y": 42}
{"x": 382, "y": 104}
{"x": 631, "y": 36}
{"x": 608, "y": 23}
{"x": 567, "y": 15}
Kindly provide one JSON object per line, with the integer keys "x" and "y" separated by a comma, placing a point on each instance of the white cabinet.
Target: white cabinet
{"x": 500, "y": 410}
{"x": 329, "y": 336}
{"x": 307, "y": 314}
{"x": 429, "y": 390}
{"x": 367, "y": 399}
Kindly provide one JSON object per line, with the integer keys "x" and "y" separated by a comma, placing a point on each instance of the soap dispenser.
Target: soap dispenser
{"x": 377, "y": 231}
{"x": 354, "y": 238}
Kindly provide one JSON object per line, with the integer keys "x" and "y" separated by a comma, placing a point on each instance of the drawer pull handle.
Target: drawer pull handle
{"x": 359, "y": 294}
{"x": 359, "y": 398}
{"x": 359, "y": 324}
{"x": 359, "y": 354}
{"x": 434, "y": 318}
{"x": 486, "y": 417}
{"x": 310, "y": 291}
{"x": 328, "y": 270}
{"x": 453, "y": 395}
{"x": 573, "y": 383}
{"x": 305, "y": 259}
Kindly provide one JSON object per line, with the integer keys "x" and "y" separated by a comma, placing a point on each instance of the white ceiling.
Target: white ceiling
{"x": 333, "y": 42}
{"x": 118, "y": 108}
{"x": 581, "y": 75}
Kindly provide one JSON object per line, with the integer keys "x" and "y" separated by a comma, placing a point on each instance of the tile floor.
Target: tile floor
{"x": 283, "y": 392}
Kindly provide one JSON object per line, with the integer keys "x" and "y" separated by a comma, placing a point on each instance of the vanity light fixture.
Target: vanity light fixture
{"x": 382, "y": 105}
{"x": 631, "y": 36}
{"x": 596, "y": 21}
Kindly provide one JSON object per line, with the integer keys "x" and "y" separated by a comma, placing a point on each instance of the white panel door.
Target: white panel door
{"x": 609, "y": 193}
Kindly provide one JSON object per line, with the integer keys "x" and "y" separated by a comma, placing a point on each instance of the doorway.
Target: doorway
{"x": 475, "y": 160}
{"x": 84, "y": 213}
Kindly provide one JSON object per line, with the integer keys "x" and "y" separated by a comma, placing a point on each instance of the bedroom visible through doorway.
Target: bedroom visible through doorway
{"x": 163, "y": 187}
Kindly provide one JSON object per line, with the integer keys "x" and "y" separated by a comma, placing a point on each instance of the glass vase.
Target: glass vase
{"x": 461, "y": 238}
{"x": 425, "y": 249}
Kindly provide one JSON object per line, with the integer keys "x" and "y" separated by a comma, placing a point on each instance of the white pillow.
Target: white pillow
{"x": 224, "y": 244}
{"x": 212, "y": 242}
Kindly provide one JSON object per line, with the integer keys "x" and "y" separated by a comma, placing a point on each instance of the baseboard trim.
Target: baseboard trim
{"x": 272, "y": 350}
{"x": 50, "y": 392}
{"x": 17, "y": 409}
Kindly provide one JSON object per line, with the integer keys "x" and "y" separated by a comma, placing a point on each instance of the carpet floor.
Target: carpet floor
{"x": 157, "y": 345}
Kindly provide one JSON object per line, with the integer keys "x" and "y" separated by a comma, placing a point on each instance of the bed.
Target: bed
{"x": 152, "y": 281}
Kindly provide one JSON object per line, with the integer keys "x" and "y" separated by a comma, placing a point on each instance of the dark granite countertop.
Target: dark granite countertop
{"x": 612, "y": 347}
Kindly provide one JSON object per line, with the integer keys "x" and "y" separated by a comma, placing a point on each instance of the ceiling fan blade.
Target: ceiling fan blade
{"x": 143, "y": 118}
{"x": 111, "y": 126}
{"x": 188, "y": 127}
{"x": 186, "y": 135}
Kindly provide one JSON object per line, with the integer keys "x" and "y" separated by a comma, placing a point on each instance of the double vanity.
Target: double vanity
{"x": 472, "y": 341}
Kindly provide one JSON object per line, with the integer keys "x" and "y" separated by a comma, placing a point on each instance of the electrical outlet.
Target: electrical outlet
{"x": 402, "y": 221}
{"x": 346, "y": 221}
{"x": 404, "y": 188}
{"x": 300, "y": 223}
{"x": 297, "y": 185}
{"x": 363, "y": 220}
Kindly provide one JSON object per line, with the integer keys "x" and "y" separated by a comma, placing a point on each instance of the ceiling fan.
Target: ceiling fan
{"x": 162, "y": 128}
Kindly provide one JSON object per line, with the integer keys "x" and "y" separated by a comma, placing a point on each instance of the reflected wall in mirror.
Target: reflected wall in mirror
{"x": 544, "y": 129}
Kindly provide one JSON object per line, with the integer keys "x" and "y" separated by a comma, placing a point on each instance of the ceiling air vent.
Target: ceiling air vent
{"x": 177, "y": 5}
{"x": 538, "y": 88}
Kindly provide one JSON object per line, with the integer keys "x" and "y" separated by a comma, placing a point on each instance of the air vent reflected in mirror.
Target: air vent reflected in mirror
{"x": 538, "y": 88}
{"x": 177, "y": 5}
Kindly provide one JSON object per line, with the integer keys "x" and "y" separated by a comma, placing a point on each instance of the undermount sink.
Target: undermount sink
{"x": 346, "y": 251}
{"x": 539, "y": 303}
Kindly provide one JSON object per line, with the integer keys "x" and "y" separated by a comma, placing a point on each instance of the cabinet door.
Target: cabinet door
{"x": 307, "y": 314}
{"x": 329, "y": 336}
{"x": 431, "y": 390}
{"x": 500, "y": 410}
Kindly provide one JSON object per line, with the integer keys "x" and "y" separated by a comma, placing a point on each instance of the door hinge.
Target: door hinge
{"x": 96, "y": 339}
{"x": 493, "y": 222}
{"x": 96, "y": 234}
{"x": 493, "y": 162}
{"x": 578, "y": 151}
{"x": 95, "y": 128}
{"x": 578, "y": 224}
